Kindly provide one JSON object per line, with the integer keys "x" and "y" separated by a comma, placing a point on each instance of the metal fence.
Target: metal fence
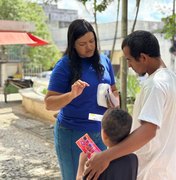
{"x": 30, "y": 71}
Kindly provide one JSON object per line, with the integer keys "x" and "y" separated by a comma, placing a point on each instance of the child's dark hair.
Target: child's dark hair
{"x": 116, "y": 123}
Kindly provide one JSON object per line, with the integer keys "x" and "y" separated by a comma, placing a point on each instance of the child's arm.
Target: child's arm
{"x": 82, "y": 161}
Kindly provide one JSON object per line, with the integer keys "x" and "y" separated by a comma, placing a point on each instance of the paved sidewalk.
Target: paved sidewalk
{"x": 26, "y": 144}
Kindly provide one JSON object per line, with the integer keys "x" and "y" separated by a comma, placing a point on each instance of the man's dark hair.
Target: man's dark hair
{"x": 142, "y": 42}
{"x": 77, "y": 29}
{"x": 116, "y": 123}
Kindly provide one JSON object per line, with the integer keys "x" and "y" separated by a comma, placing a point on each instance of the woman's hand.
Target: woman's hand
{"x": 112, "y": 97}
{"x": 78, "y": 87}
{"x": 55, "y": 101}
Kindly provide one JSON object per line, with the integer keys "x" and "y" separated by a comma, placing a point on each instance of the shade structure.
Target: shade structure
{"x": 39, "y": 41}
{"x": 7, "y": 38}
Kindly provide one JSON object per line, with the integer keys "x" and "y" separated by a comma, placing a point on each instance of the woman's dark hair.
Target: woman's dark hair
{"x": 77, "y": 29}
{"x": 116, "y": 123}
{"x": 142, "y": 42}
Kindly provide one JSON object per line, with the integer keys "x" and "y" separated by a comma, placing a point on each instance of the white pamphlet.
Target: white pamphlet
{"x": 104, "y": 94}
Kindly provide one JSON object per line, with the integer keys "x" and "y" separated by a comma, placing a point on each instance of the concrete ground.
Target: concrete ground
{"x": 26, "y": 144}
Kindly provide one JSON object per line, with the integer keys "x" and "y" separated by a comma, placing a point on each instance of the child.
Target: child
{"x": 116, "y": 125}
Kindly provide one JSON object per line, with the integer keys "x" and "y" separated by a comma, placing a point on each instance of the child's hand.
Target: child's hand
{"x": 82, "y": 161}
{"x": 82, "y": 158}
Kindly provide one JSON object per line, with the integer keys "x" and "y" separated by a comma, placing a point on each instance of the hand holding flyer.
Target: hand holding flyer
{"x": 105, "y": 96}
{"x": 87, "y": 145}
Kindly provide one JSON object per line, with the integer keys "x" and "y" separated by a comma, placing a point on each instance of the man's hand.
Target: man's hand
{"x": 96, "y": 165}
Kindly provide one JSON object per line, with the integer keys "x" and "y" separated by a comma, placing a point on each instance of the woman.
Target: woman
{"x": 73, "y": 89}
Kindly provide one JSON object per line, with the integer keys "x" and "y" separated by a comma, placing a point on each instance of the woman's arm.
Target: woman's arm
{"x": 54, "y": 100}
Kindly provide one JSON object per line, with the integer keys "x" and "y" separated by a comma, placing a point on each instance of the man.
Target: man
{"x": 153, "y": 137}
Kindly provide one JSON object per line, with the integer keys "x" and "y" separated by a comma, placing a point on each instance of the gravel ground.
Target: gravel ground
{"x": 26, "y": 145}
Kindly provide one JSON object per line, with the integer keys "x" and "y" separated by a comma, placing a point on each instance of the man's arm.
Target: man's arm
{"x": 138, "y": 138}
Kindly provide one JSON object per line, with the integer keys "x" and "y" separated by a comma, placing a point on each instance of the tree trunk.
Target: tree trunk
{"x": 116, "y": 31}
{"x": 96, "y": 25}
{"x": 123, "y": 64}
{"x": 173, "y": 38}
{"x": 135, "y": 20}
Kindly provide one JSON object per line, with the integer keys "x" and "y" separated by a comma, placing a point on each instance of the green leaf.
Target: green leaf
{"x": 26, "y": 11}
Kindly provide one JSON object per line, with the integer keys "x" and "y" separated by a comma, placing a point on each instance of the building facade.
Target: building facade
{"x": 106, "y": 35}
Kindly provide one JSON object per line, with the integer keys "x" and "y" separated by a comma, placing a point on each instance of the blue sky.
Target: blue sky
{"x": 150, "y": 10}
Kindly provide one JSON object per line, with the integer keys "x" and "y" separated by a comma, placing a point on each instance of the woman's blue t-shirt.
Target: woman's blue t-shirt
{"x": 75, "y": 114}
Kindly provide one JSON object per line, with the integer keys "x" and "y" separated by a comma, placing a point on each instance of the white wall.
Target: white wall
{"x": 7, "y": 69}
{"x": 106, "y": 33}
{"x": 164, "y": 48}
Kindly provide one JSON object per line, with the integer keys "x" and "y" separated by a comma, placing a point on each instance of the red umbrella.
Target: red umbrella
{"x": 7, "y": 38}
{"x": 39, "y": 41}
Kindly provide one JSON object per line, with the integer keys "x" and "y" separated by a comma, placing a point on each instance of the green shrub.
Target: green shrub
{"x": 44, "y": 91}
